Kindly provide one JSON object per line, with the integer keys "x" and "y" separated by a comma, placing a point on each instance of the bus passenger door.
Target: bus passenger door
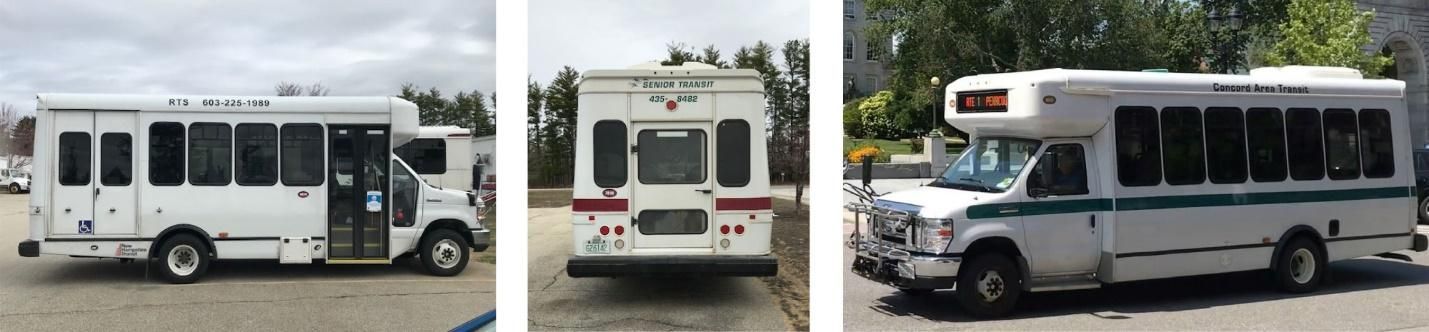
{"x": 115, "y": 200}
{"x": 358, "y": 198}
{"x": 673, "y": 192}
{"x": 1061, "y": 210}
{"x": 72, "y": 188}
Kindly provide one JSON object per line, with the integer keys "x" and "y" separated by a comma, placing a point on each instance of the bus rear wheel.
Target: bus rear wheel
{"x": 1300, "y": 267}
{"x": 1424, "y": 211}
{"x": 14, "y": 188}
{"x": 444, "y": 253}
{"x": 184, "y": 259}
{"x": 988, "y": 285}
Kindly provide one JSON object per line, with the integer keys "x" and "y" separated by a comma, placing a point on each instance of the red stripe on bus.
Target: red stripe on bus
{"x": 744, "y": 204}
{"x": 599, "y": 205}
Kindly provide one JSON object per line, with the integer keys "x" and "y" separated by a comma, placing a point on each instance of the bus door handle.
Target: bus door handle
{"x": 111, "y": 210}
{"x": 1092, "y": 221}
{"x": 705, "y": 190}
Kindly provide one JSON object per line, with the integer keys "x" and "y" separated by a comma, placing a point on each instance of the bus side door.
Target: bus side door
{"x": 1061, "y": 207}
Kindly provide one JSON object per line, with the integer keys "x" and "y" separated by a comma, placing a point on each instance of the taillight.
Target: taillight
{"x": 739, "y": 229}
{"x": 619, "y": 230}
{"x": 604, "y": 230}
{"x": 724, "y": 229}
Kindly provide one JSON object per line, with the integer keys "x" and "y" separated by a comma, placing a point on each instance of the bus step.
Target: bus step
{"x": 1058, "y": 283}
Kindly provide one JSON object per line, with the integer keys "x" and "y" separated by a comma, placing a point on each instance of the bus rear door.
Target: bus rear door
{"x": 673, "y": 194}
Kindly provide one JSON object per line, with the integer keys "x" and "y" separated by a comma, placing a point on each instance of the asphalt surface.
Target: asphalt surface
{"x": 1363, "y": 294}
{"x": 558, "y": 302}
{"x": 63, "y": 293}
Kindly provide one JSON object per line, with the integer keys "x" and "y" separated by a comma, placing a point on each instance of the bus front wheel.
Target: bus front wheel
{"x": 444, "y": 252}
{"x": 988, "y": 285}
{"x": 184, "y": 259}
{"x": 1300, "y": 267}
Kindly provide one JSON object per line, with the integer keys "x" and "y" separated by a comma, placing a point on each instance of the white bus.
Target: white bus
{"x": 1076, "y": 178}
{"x": 671, "y": 175}
{"x": 186, "y": 180}
{"x": 442, "y": 156}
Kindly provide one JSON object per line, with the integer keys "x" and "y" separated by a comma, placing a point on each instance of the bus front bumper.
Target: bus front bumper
{"x": 480, "y": 239}
{"x": 724, "y": 266}
{"x": 906, "y": 270}
{"x": 29, "y": 248}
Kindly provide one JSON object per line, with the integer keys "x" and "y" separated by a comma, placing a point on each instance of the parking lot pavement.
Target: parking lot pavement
{"x": 558, "y": 302}
{"x": 63, "y": 293}
{"x": 1364, "y": 294}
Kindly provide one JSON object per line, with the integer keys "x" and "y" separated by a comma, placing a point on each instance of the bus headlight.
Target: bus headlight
{"x": 934, "y": 235}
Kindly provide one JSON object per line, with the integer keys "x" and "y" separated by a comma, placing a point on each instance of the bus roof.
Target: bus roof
{"x": 656, "y": 78}
{"x": 402, "y": 113}
{"x": 442, "y": 131}
{"x": 1068, "y": 102}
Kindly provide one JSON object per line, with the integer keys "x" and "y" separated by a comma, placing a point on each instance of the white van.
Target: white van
{"x": 442, "y": 156}
{"x": 190, "y": 179}
{"x": 1076, "y": 178}
{"x": 15, "y": 180}
{"x": 671, "y": 175}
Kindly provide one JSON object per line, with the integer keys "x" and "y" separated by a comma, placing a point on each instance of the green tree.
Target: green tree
{"x": 878, "y": 116}
{"x": 1326, "y": 33}
{"x": 678, "y": 53}
{"x": 559, "y": 132}
{"x": 534, "y": 152}
{"x": 853, "y": 119}
{"x": 710, "y": 55}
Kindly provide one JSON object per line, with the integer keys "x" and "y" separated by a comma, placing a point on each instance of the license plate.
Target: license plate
{"x": 597, "y": 246}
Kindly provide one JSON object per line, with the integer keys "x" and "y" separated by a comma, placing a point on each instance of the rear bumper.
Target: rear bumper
{"x": 1421, "y": 242}
{"x": 724, "y": 266}
{"x": 29, "y": 248}
{"x": 480, "y": 239}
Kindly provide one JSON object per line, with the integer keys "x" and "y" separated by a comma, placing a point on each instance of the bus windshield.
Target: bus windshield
{"x": 988, "y": 165}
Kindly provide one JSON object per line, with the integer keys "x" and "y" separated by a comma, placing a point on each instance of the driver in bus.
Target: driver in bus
{"x": 1070, "y": 178}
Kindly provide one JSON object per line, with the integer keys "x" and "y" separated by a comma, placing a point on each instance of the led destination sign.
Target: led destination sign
{"x": 982, "y": 101}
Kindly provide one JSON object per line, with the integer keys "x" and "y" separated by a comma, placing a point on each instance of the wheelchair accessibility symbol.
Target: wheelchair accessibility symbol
{"x": 86, "y": 226}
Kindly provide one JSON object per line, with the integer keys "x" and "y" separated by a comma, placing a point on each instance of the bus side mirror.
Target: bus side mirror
{"x": 867, "y": 170}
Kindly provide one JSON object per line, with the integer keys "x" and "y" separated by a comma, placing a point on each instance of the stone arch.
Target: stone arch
{"x": 1409, "y": 60}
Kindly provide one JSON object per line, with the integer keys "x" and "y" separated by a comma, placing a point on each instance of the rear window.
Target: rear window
{"x": 672, "y": 156}
{"x": 608, "y": 162}
{"x": 732, "y": 153}
{"x": 74, "y": 163}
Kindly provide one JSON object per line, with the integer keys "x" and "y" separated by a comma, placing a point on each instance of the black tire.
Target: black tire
{"x": 1007, "y": 286}
{"x": 15, "y": 189}
{"x": 452, "y": 244}
{"x": 171, "y": 270}
{"x": 915, "y": 291}
{"x": 1286, "y": 266}
{"x": 1424, "y": 211}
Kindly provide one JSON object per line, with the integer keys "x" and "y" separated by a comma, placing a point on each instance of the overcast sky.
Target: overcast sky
{"x": 243, "y": 47}
{"x": 609, "y": 34}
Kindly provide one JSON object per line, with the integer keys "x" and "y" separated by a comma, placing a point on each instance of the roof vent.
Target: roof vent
{"x": 1306, "y": 72}
{"x": 683, "y": 66}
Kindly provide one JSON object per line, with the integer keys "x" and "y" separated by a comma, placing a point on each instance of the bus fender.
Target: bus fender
{"x": 164, "y": 235}
{"x": 1292, "y": 232}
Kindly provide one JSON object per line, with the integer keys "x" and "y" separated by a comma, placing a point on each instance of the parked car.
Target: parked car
{"x": 1421, "y": 182}
{"x": 15, "y": 180}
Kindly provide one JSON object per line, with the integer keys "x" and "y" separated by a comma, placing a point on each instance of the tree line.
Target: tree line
{"x": 551, "y": 110}
{"x": 465, "y": 109}
{"x": 956, "y": 38}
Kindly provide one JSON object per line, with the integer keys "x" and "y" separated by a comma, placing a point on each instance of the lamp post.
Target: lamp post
{"x": 935, "y": 83}
{"x": 1225, "y": 33}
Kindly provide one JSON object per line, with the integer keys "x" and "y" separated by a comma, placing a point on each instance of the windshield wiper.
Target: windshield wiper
{"x": 978, "y": 183}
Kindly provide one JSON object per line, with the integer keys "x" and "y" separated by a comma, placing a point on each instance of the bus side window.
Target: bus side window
{"x": 1376, "y": 143}
{"x": 166, "y": 153}
{"x": 609, "y": 159}
{"x": 210, "y": 154}
{"x": 74, "y": 163}
{"x": 1302, "y": 137}
{"x": 257, "y": 145}
{"x": 1265, "y": 134}
{"x": 303, "y": 154}
{"x": 1225, "y": 145}
{"x": 1061, "y": 171}
{"x": 1342, "y": 155}
{"x": 1138, "y": 147}
{"x": 1185, "y": 154}
{"x": 732, "y": 153}
{"x": 116, "y": 159}
{"x": 425, "y": 155}
{"x": 404, "y": 196}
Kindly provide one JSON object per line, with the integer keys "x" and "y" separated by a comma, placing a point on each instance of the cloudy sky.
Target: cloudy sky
{"x": 243, "y": 47}
{"x": 608, "y": 34}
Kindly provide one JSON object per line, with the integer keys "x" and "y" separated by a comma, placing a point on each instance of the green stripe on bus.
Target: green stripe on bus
{"x": 1182, "y": 201}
